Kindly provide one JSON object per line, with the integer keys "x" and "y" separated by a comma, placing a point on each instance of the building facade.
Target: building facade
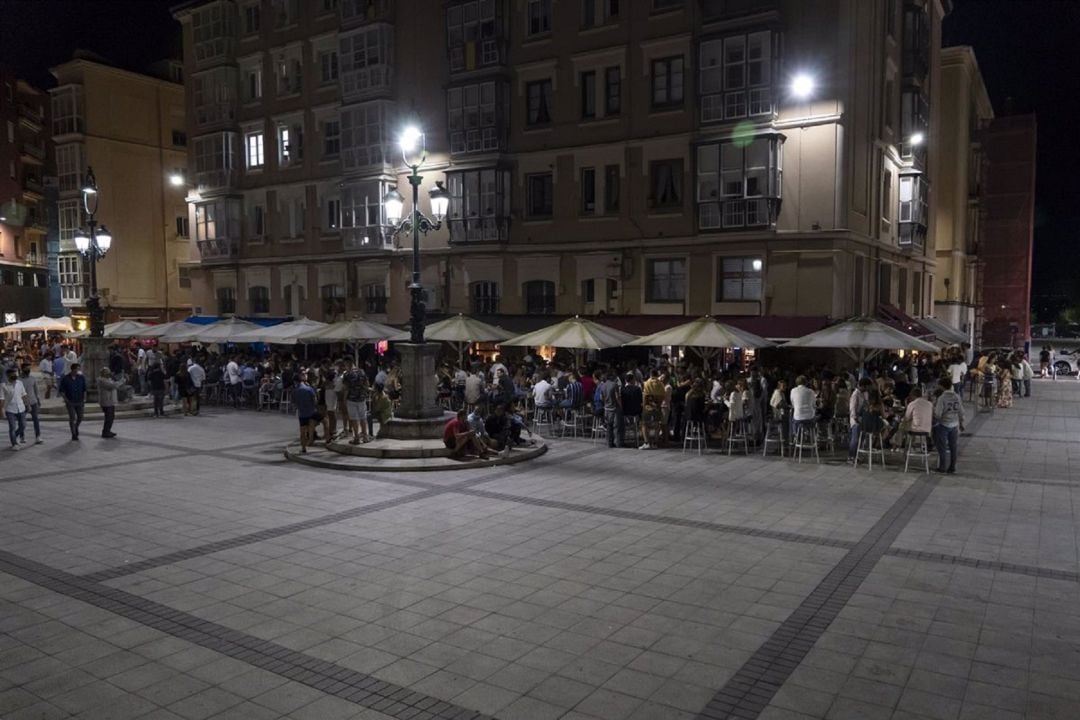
{"x": 666, "y": 158}
{"x": 129, "y": 128}
{"x": 25, "y": 163}
{"x": 959, "y": 206}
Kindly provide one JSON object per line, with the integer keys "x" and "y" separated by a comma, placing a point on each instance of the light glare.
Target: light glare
{"x": 410, "y": 139}
{"x": 802, "y": 86}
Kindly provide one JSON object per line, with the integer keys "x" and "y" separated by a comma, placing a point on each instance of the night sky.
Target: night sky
{"x": 1026, "y": 48}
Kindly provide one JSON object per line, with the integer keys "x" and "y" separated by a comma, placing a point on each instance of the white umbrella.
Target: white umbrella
{"x": 706, "y": 335}
{"x": 577, "y": 333}
{"x": 124, "y": 329}
{"x": 222, "y": 331}
{"x": 286, "y": 333}
{"x": 459, "y": 331}
{"x": 357, "y": 330}
{"x": 40, "y": 324}
{"x": 861, "y": 338}
{"x": 156, "y": 331}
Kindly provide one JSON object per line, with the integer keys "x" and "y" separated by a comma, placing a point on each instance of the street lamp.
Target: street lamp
{"x": 93, "y": 243}
{"x": 802, "y": 86}
{"x": 414, "y": 153}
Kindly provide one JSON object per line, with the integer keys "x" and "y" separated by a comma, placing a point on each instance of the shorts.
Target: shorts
{"x": 357, "y": 410}
{"x": 316, "y": 418}
{"x": 450, "y": 444}
{"x": 331, "y": 400}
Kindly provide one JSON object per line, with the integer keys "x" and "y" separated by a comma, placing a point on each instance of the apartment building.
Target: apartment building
{"x": 661, "y": 158}
{"x": 25, "y": 163}
{"x": 958, "y": 208}
{"x": 129, "y": 127}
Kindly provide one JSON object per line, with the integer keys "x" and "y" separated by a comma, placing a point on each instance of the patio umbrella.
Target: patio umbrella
{"x": 286, "y": 333}
{"x": 156, "y": 331}
{"x": 459, "y": 331}
{"x": 40, "y": 324}
{"x": 124, "y": 328}
{"x": 706, "y": 335}
{"x": 861, "y": 338}
{"x": 357, "y": 332}
{"x": 577, "y": 333}
{"x": 222, "y": 331}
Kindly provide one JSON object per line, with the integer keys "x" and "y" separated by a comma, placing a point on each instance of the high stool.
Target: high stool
{"x": 806, "y": 438}
{"x": 826, "y": 436}
{"x": 694, "y": 436}
{"x": 544, "y": 418}
{"x": 632, "y": 424}
{"x": 774, "y": 433}
{"x": 867, "y": 440}
{"x": 922, "y": 450}
{"x": 569, "y": 423}
{"x": 737, "y": 435}
{"x": 599, "y": 430}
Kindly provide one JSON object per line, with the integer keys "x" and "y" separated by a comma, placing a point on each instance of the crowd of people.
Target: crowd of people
{"x": 499, "y": 404}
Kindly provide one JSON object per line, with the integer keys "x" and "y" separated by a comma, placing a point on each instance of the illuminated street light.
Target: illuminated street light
{"x": 802, "y": 86}
{"x": 917, "y": 139}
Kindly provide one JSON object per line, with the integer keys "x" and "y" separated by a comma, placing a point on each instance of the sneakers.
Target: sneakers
{"x": 505, "y": 452}
{"x": 38, "y": 441}
{"x": 646, "y": 446}
{"x": 15, "y": 448}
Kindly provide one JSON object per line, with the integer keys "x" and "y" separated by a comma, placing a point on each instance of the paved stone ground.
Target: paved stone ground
{"x": 185, "y": 570}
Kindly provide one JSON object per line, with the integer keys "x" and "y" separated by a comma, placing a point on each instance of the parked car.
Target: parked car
{"x": 1067, "y": 362}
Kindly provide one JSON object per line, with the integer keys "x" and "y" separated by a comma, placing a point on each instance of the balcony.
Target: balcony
{"x": 479, "y": 230}
{"x": 216, "y": 179}
{"x": 31, "y": 116}
{"x": 33, "y": 153}
{"x": 365, "y": 238}
{"x": 33, "y": 189}
{"x": 367, "y": 82}
{"x": 358, "y": 12}
{"x": 73, "y": 295}
{"x": 218, "y": 249}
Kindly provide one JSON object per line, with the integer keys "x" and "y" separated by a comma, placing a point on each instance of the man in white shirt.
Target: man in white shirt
{"x": 198, "y": 377}
{"x": 13, "y": 398}
{"x": 855, "y": 408}
{"x": 140, "y": 372}
{"x": 1027, "y": 373}
{"x": 233, "y": 380}
{"x": 803, "y": 402}
{"x": 957, "y": 372}
{"x": 542, "y": 393}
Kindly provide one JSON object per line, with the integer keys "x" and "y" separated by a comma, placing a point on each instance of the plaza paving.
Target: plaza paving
{"x": 185, "y": 570}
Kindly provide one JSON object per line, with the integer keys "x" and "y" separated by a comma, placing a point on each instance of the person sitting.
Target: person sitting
{"x": 499, "y": 430}
{"x": 459, "y": 439}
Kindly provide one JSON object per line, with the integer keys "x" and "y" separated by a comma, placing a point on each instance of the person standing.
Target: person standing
{"x": 46, "y": 368}
{"x": 184, "y": 389}
{"x": 33, "y": 404}
{"x": 304, "y": 399}
{"x": 155, "y": 379}
{"x": 13, "y": 398}
{"x": 631, "y": 405}
{"x": 611, "y": 394}
{"x": 198, "y": 377}
{"x": 73, "y": 390}
{"x": 856, "y": 405}
{"x": 355, "y": 383}
{"x": 107, "y": 399}
{"x": 949, "y": 419}
{"x": 957, "y": 372}
{"x": 232, "y": 380}
{"x": 1027, "y": 373}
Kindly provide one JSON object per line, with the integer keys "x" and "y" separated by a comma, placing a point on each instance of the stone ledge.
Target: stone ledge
{"x": 319, "y": 456}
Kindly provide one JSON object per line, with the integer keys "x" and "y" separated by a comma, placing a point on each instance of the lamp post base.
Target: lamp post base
{"x": 419, "y": 415}
{"x": 94, "y": 357}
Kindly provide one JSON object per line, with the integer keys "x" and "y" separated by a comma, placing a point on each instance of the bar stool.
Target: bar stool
{"x": 569, "y": 423}
{"x": 737, "y": 435}
{"x": 694, "y": 436}
{"x": 774, "y": 434}
{"x": 599, "y": 430}
{"x": 806, "y": 438}
{"x": 922, "y": 450}
{"x": 866, "y": 447}
{"x": 632, "y": 424}
{"x": 544, "y": 418}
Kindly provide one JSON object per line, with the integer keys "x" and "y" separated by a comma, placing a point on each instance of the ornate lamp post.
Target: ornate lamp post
{"x": 93, "y": 242}
{"x": 414, "y": 153}
{"x": 419, "y": 414}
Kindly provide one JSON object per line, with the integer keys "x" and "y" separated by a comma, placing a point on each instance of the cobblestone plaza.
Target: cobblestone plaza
{"x": 186, "y": 570}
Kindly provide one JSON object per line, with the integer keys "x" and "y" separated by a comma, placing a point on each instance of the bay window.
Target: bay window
{"x": 472, "y": 35}
{"x": 739, "y": 186}
{"x": 472, "y": 118}
{"x": 69, "y": 169}
{"x": 67, "y": 110}
{"x": 735, "y": 76}
{"x": 479, "y": 205}
{"x": 215, "y": 159}
{"x": 365, "y": 59}
{"x": 914, "y": 211}
{"x": 364, "y": 134}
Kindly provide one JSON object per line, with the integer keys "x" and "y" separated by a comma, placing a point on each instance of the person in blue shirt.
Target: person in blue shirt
{"x": 304, "y": 400}
{"x": 73, "y": 390}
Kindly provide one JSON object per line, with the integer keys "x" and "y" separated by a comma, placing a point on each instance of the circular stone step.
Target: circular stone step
{"x": 392, "y": 448}
{"x": 319, "y": 456}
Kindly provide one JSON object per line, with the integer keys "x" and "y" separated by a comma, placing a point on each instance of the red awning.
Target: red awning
{"x": 897, "y": 318}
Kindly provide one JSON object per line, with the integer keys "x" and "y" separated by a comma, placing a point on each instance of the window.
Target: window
{"x": 290, "y": 143}
{"x": 70, "y": 214}
{"x": 215, "y": 158}
{"x": 183, "y": 276}
{"x": 588, "y": 13}
{"x": 259, "y": 299}
{"x": 612, "y": 181}
{"x": 739, "y": 186}
{"x": 212, "y": 31}
{"x": 479, "y": 205}
{"x": 665, "y": 180}
{"x": 588, "y": 94}
{"x": 251, "y": 19}
{"x": 363, "y": 134}
{"x": 375, "y": 299}
{"x": 74, "y": 275}
{"x": 888, "y": 105}
{"x": 258, "y": 222}
{"x": 588, "y": 191}
{"x": 914, "y": 119}
{"x": 740, "y": 279}
{"x": 484, "y": 298}
{"x": 735, "y": 77}
{"x": 665, "y": 5}
{"x": 886, "y": 196}
{"x": 666, "y": 280}
{"x": 613, "y": 90}
{"x": 217, "y": 220}
{"x": 667, "y": 82}
{"x": 473, "y": 35}
{"x": 226, "y": 300}
{"x": 286, "y": 12}
{"x": 212, "y": 95}
{"x": 290, "y": 73}
{"x": 67, "y": 110}
{"x": 291, "y": 216}
{"x": 539, "y": 195}
{"x": 328, "y": 66}
{"x": 183, "y": 227}
{"x": 539, "y": 297}
{"x": 890, "y": 18}
{"x": 332, "y": 214}
{"x": 365, "y": 57}
{"x": 472, "y": 119}
{"x": 588, "y": 290}
{"x": 361, "y": 206}
{"x": 69, "y": 166}
{"x": 914, "y": 192}
{"x": 179, "y": 138}
{"x": 331, "y": 132}
{"x": 252, "y": 83}
{"x": 333, "y": 300}
{"x": 253, "y": 143}
{"x": 538, "y": 97}
{"x": 538, "y": 17}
